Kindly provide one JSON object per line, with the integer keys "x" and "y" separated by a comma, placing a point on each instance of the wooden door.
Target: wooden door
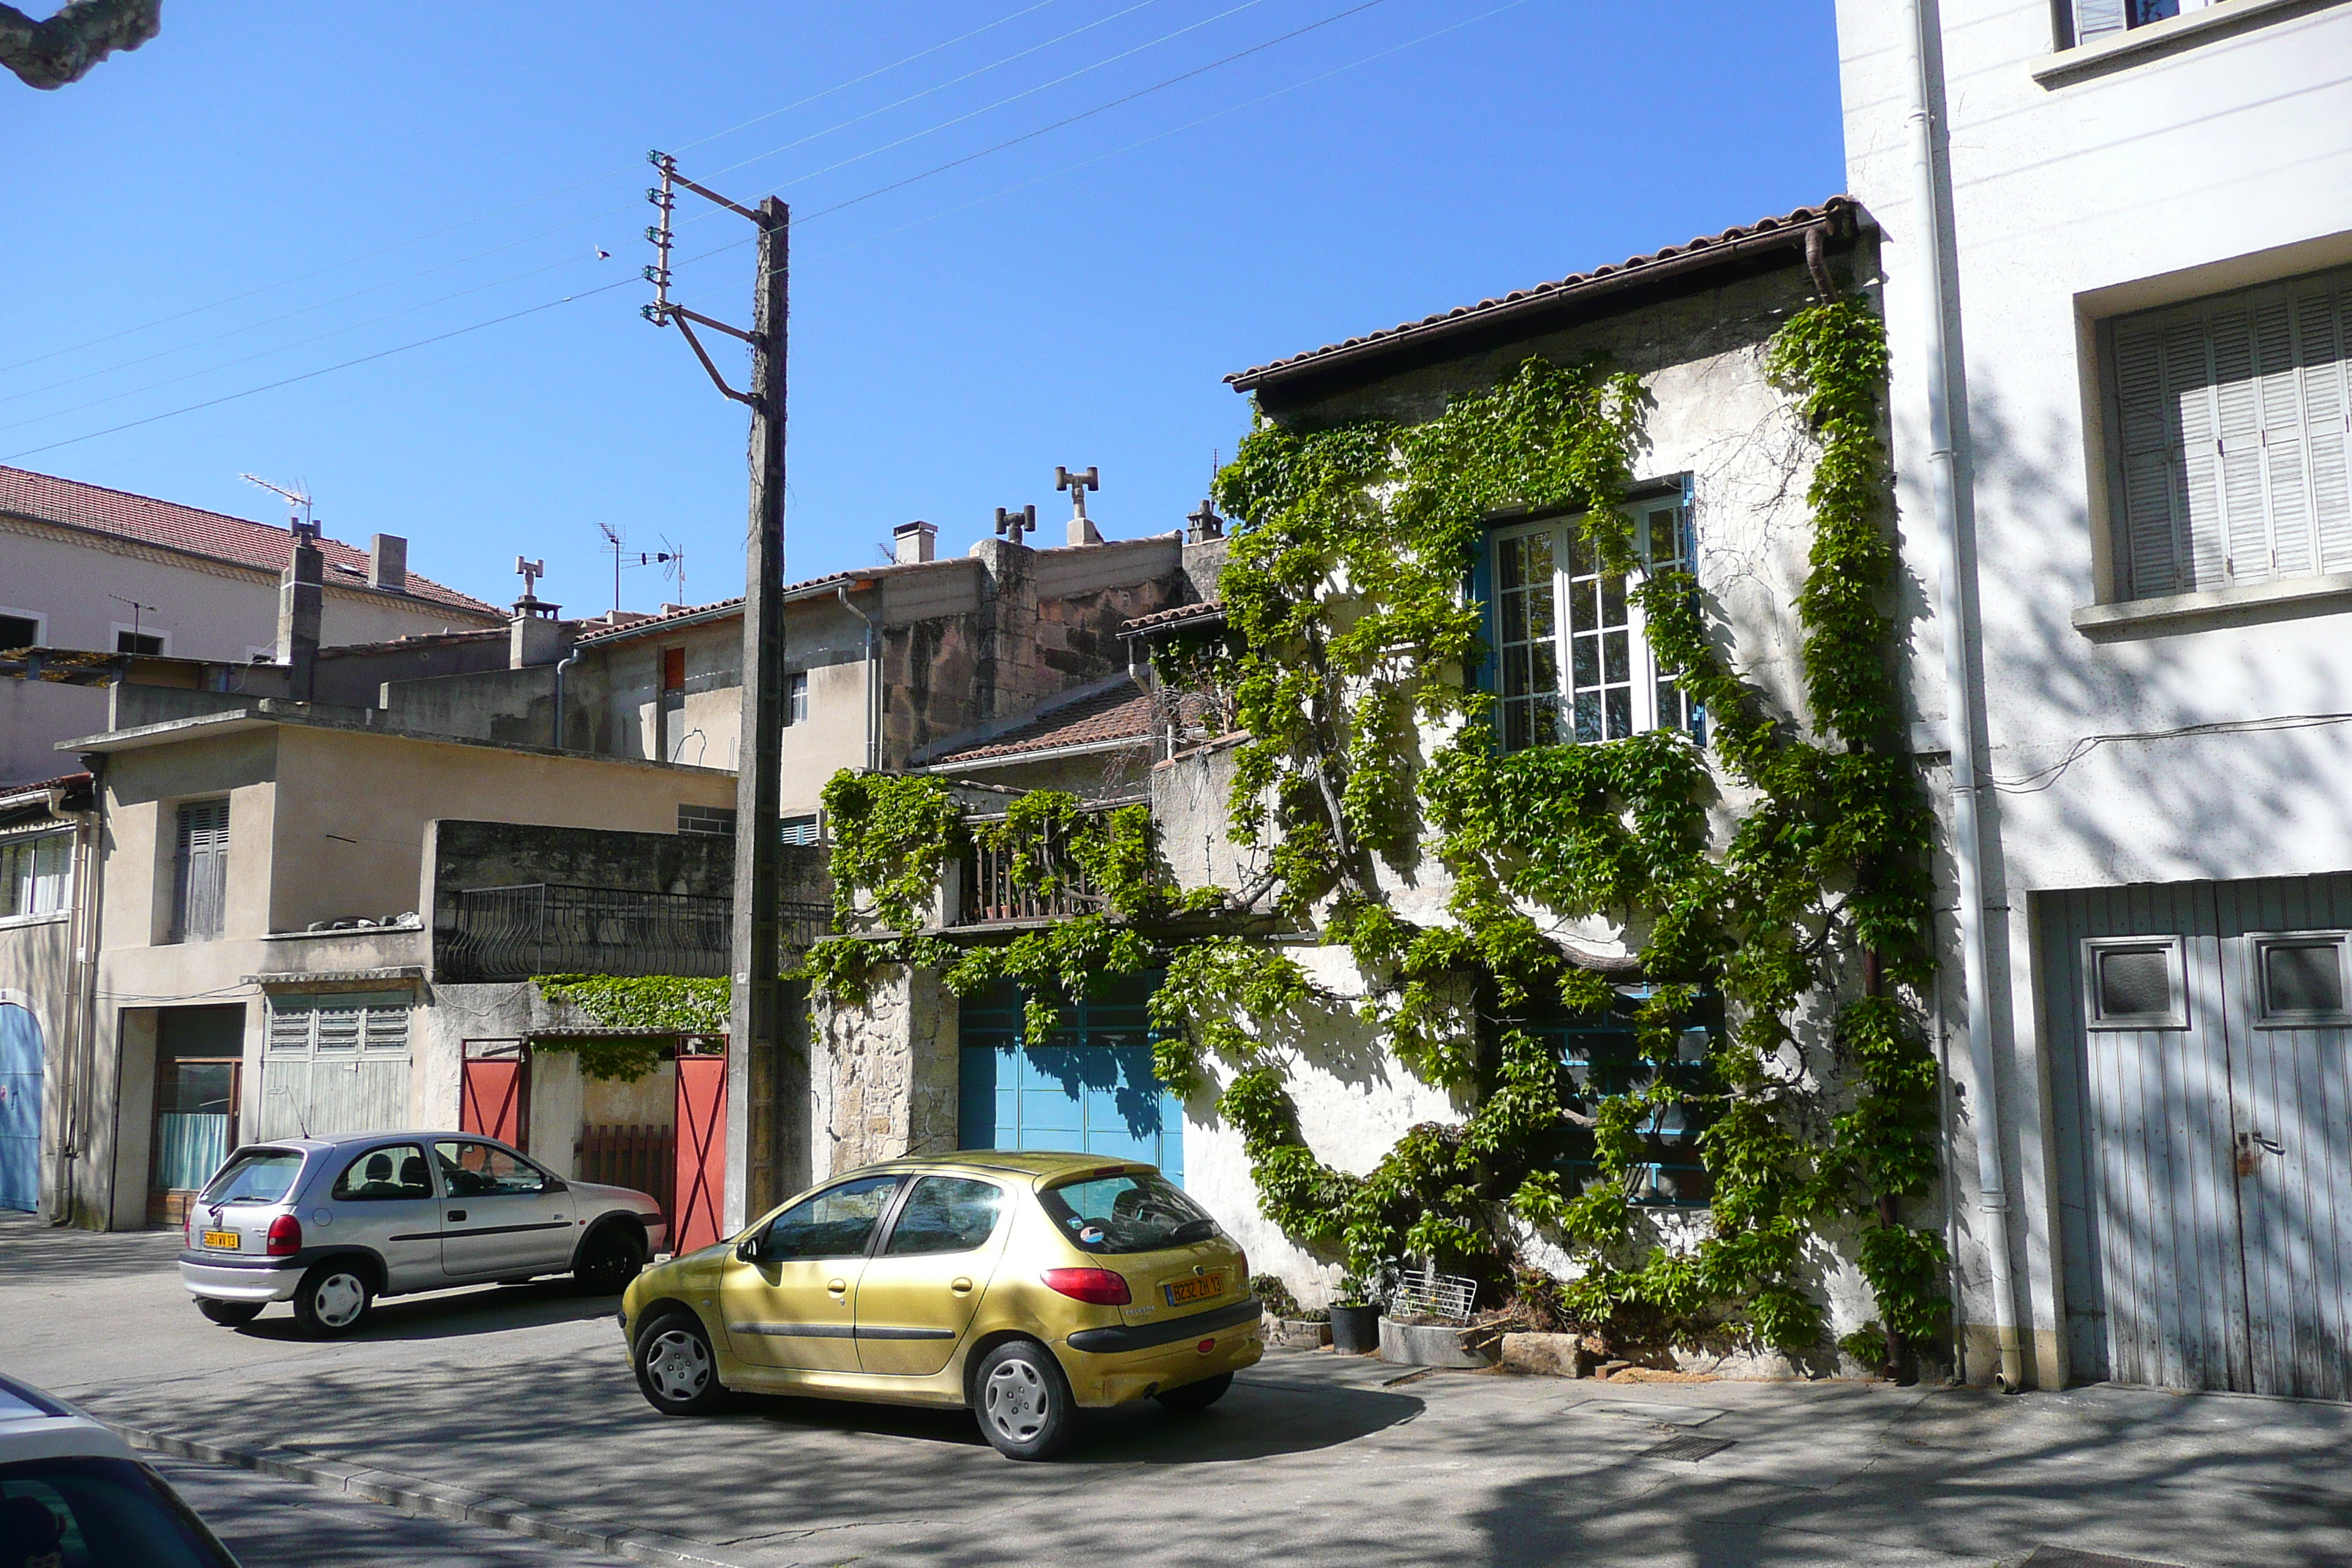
{"x": 701, "y": 1182}
{"x": 494, "y": 1098}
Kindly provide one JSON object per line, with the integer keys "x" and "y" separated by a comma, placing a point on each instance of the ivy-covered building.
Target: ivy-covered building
{"x": 1537, "y": 883}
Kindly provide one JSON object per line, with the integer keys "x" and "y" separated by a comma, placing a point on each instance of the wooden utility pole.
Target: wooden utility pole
{"x": 767, "y": 1073}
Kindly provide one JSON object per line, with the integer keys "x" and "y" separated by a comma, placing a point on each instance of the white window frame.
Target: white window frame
{"x": 796, "y": 697}
{"x": 2175, "y": 969}
{"x": 2105, "y": 18}
{"x": 120, "y": 629}
{"x": 2258, "y": 980}
{"x": 41, "y": 623}
{"x": 23, "y": 883}
{"x": 1576, "y": 581}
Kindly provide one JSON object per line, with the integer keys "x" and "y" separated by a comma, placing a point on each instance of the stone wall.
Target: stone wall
{"x": 884, "y": 1075}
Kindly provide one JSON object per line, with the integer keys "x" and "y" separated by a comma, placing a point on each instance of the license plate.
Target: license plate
{"x": 226, "y": 1240}
{"x": 1199, "y": 1290}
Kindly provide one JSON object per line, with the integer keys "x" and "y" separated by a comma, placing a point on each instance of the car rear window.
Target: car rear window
{"x": 255, "y": 1177}
{"x": 91, "y": 1512}
{"x": 1139, "y": 1211}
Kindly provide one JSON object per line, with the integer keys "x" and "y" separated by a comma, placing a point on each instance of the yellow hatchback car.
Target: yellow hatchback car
{"x": 1023, "y": 1286}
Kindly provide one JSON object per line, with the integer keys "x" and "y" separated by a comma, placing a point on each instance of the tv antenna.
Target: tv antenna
{"x": 299, "y": 496}
{"x": 671, "y": 560}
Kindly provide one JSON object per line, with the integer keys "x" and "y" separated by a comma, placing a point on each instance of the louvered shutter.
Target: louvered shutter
{"x": 2097, "y": 18}
{"x": 339, "y": 1029}
{"x": 201, "y": 886}
{"x": 2234, "y": 419}
{"x": 385, "y": 1029}
{"x": 289, "y": 1026}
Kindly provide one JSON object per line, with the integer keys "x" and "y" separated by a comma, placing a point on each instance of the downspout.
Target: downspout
{"x": 1960, "y": 733}
{"x": 84, "y": 945}
{"x": 93, "y": 929}
{"x": 566, "y": 662}
{"x": 873, "y": 682}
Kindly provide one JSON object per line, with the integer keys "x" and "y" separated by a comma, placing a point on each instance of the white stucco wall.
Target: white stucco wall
{"x": 2225, "y": 162}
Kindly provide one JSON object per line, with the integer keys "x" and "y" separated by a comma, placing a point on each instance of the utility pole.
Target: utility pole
{"x": 767, "y": 1079}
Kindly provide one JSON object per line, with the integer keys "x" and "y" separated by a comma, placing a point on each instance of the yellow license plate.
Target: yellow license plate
{"x": 1199, "y": 1290}
{"x": 224, "y": 1240}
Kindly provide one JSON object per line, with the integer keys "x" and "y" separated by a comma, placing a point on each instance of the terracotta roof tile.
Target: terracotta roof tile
{"x": 1206, "y": 610}
{"x": 1121, "y": 711}
{"x": 70, "y": 503}
{"x": 1832, "y": 210}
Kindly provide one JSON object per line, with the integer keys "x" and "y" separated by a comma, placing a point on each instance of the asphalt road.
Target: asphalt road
{"x": 516, "y": 1403}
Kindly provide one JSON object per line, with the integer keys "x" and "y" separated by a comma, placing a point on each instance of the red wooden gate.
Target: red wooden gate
{"x": 494, "y": 1099}
{"x": 701, "y": 1151}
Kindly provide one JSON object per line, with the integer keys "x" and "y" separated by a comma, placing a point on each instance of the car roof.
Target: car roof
{"x": 38, "y": 1426}
{"x": 348, "y": 1140}
{"x": 1041, "y": 1164}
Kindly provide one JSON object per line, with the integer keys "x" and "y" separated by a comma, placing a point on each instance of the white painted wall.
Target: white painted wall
{"x": 2225, "y": 162}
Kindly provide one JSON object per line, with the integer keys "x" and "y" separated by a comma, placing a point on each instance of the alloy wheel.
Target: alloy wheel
{"x": 678, "y": 1366}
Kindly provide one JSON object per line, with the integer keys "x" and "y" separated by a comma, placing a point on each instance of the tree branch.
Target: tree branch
{"x": 48, "y": 54}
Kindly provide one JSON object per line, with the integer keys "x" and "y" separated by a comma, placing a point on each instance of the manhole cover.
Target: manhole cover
{"x": 2067, "y": 1557}
{"x": 1689, "y": 1449}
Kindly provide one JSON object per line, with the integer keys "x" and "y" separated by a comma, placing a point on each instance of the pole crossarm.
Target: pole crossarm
{"x": 685, "y": 325}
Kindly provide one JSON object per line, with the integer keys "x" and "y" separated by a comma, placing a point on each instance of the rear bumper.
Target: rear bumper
{"x": 1109, "y": 1366}
{"x": 257, "y": 1280}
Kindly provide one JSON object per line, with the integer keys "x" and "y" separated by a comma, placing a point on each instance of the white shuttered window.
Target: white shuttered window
{"x": 2231, "y": 419}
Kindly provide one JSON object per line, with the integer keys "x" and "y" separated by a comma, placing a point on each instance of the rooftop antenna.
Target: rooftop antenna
{"x": 299, "y": 496}
{"x": 672, "y": 561}
{"x": 614, "y": 542}
{"x": 135, "y": 608}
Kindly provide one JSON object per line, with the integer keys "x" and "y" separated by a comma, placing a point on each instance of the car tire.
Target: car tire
{"x": 609, "y": 1259}
{"x": 228, "y": 1314}
{"x": 1198, "y": 1396}
{"x": 1022, "y": 1401}
{"x": 677, "y": 1371}
{"x": 334, "y": 1298}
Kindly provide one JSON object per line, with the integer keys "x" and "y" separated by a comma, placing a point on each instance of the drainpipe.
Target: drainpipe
{"x": 82, "y": 933}
{"x": 93, "y": 931}
{"x": 873, "y": 682}
{"x": 1960, "y": 733}
{"x": 566, "y": 662}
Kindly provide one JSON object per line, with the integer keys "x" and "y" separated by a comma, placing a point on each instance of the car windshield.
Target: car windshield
{"x": 93, "y": 1513}
{"x": 254, "y": 1176}
{"x": 1133, "y": 1212}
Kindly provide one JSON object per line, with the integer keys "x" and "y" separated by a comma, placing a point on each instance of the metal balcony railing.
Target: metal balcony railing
{"x": 990, "y": 896}
{"x": 554, "y": 928}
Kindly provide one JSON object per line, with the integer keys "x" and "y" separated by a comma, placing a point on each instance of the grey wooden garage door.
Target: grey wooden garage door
{"x": 2201, "y": 1056}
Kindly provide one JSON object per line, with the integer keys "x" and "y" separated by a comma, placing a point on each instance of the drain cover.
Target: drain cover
{"x": 2067, "y": 1557}
{"x": 1688, "y": 1447}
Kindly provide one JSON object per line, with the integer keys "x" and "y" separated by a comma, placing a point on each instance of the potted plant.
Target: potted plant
{"x": 1293, "y": 1327}
{"x": 1355, "y": 1318}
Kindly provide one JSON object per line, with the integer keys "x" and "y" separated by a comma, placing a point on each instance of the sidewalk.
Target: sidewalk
{"x": 519, "y": 1404}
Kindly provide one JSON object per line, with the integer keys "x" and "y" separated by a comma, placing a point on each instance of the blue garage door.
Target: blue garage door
{"x": 20, "y": 1107}
{"x": 1090, "y": 1088}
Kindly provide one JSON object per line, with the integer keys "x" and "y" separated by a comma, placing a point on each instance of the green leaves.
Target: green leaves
{"x": 664, "y": 1005}
{"x": 891, "y": 839}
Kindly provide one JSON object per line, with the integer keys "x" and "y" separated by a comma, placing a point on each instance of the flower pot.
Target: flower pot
{"x": 1355, "y": 1330}
{"x": 1431, "y": 1345}
{"x": 1296, "y": 1335}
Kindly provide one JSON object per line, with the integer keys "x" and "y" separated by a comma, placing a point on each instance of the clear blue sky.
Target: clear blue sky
{"x": 1074, "y": 298}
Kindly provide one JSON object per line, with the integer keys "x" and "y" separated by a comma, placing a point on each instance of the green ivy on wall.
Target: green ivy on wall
{"x": 1370, "y": 750}
{"x": 663, "y": 1005}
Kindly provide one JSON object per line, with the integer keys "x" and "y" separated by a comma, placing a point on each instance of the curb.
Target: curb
{"x": 417, "y": 1496}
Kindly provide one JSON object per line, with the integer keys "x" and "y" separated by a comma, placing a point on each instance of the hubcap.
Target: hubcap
{"x": 339, "y": 1299}
{"x": 1014, "y": 1400}
{"x": 678, "y": 1366}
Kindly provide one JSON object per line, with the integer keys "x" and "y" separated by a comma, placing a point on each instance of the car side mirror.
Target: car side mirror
{"x": 748, "y": 1249}
{"x": 558, "y": 1184}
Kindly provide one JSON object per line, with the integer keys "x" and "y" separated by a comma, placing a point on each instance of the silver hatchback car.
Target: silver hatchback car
{"x": 332, "y": 1224}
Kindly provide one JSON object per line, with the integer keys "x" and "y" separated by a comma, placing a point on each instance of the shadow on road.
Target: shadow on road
{"x": 484, "y": 1309}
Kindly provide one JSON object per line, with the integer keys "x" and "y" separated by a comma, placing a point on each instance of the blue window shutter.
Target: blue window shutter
{"x": 1486, "y": 676}
{"x": 2097, "y": 18}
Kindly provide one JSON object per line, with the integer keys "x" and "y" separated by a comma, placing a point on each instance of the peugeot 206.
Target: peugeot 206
{"x": 1024, "y": 1287}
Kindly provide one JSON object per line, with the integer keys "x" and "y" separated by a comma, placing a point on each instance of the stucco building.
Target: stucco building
{"x": 2123, "y": 264}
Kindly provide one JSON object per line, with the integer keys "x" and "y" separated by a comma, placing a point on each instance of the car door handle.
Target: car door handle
{"x": 838, "y": 1287}
{"x": 456, "y": 1215}
{"x": 960, "y": 1285}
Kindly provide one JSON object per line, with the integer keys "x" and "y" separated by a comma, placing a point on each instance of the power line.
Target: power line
{"x": 531, "y": 201}
{"x": 732, "y": 245}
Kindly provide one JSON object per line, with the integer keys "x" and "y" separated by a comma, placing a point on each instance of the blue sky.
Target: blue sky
{"x": 1074, "y": 298}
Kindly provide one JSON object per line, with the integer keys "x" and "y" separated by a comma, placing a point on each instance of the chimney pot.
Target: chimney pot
{"x": 388, "y": 563}
{"x": 914, "y": 542}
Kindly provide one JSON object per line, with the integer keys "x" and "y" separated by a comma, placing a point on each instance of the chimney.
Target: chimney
{"x": 302, "y": 593}
{"x": 388, "y": 563}
{"x": 914, "y": 542}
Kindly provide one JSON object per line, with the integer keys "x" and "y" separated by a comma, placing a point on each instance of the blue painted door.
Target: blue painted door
{"x": 20, "y": 1107}
{"x": 1090, "y": 1090}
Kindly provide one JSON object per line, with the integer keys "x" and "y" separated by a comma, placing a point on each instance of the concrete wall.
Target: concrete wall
{"x": 2222, "y": 161}
{"x": 203, "y": 609}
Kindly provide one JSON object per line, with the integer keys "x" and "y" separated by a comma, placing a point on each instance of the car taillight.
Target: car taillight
{"x": 188, "y": 1226}
{"x": 1099, "y": 1285}
{"x": 285, "y": 1236}
{"x": 1243, "y": 1264}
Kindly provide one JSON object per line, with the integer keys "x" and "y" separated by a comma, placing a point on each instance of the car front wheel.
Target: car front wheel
{"x": 610, "y": 1259}
{"x": 675, "y": 1369}
{"x": 228, "y": 1314}
{"x": 334, "y": 1300}
{"x": 1022, "y": 1401}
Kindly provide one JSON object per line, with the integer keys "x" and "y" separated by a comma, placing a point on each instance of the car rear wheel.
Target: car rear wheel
{"x": 675, "y": 1369}
{"x": 1022, "y": 1401}
{"x": 334, "y": 1298}
{"x": 228, "y": 1314}
{"x": 1197, "y": 1395}
{"x": 608, "y": 1261}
